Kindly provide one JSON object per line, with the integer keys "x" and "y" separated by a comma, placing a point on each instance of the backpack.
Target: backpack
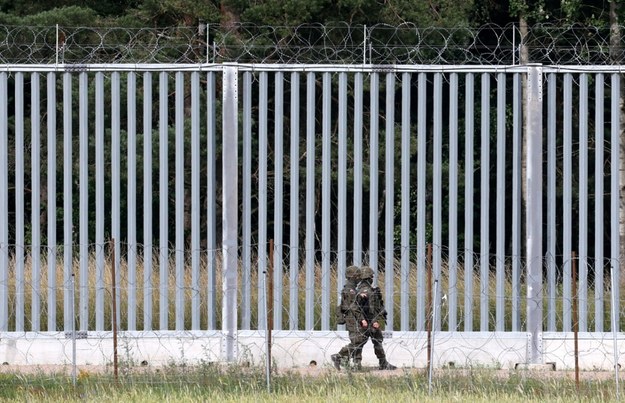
{"x": 369, "y": 300}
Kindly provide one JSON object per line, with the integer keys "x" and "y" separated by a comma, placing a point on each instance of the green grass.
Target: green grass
{"x": 236, "y": 384}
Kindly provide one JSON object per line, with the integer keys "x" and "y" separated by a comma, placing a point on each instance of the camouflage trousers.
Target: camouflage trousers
{"x": 357, "y": 339}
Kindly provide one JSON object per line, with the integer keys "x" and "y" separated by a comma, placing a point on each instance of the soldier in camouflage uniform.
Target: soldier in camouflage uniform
{"x": 371, "y": 312}
{"x": 346, "y": 313}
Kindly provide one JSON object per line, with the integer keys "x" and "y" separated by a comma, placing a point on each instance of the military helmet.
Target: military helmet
{"x": 366, "y": 273}
{"x": 352, "y": 273}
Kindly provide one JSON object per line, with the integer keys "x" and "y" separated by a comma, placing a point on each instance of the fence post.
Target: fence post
{"x": 534, "y": 211}
{"x": 230, "y": 211}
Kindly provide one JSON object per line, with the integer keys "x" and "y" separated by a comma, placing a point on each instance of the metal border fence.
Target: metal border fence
{"x": 449, "y": 121}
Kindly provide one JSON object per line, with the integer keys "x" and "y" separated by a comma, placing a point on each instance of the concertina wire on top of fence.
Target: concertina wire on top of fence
{"x": 309, "y": 43}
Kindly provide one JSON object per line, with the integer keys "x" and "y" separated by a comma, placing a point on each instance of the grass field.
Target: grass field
{"x": 210, "y": 383}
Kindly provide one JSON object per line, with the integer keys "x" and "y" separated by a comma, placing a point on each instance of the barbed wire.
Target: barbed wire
{"x": 38, "y": 290}
{"x": 342, "y": 43}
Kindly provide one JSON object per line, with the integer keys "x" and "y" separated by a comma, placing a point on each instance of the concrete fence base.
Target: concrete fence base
{"x": 292, "y": 349}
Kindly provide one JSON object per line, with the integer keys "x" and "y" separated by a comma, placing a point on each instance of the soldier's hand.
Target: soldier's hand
{"x": 363, "y": 323}
{"x": 376, "y": 325}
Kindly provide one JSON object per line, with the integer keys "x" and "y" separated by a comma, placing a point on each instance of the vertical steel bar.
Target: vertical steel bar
{"x": 295, "y": 205}
{"x": 270, "y": 309}
{"x": 437, "y": 185}
{"x": 358, "y": 166}
{"x": 179, "y": 199}
{"x": 468, "y": 197}
{"x": 230, "y": 213}
{"x": 600, "y": 161}
{"x": 341, "y": 241}
{"x": 534, "y": 204}
{"x": 421, "y": 193}
{"x": 73, "y": 297}
{"x": 35, "y": 119}
{"x": 114, "y": 317}
{"x": 115, "y": 180}
{"x": 405, "y": 204}
{"x": 582, "y": 292}
{"x": 551, "y": 205}
{"x": 500, "y": 310}
{"x": 389, "y": 203}
{"x": 195, "y": 201}
{"x": 211, "y": 208}
{"x": 19, "y": 202}
{"x": 52, "y": 214}
{"x": 163, "y": 203}
{"x": 485, "y": 203}
{"x": 374, "y": 142}
{"x": 567, "y": 200}
{"x": 68, "y": 259}
{"x": 429, "y": 304}
{"x": 326, "y": 188}
{"x": 575, "y": 319}
{"x": 615, "y": 157}
{"x": 131, "y": 197}
{"x": 4, "y": 207}
{"x": 246, "y": 217}
{"x": 262, "y": 200}
{"x": 453, "y": 203}
{"x": 99, "y": 200}
{"x": 83, "y": 122}
{"x": 278, "y": 203}
{"x": 147, "y": 202}
{"x": 310, "y": 200}
{"x": 613, "y": 324}
{"x": 517, "y": 127}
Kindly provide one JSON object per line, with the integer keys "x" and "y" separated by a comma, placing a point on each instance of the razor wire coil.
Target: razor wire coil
{"x": 383, "y": 44}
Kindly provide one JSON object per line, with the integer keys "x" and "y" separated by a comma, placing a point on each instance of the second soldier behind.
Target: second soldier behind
{"x": 370, "y": 314}
{"x": 347, "y": 315}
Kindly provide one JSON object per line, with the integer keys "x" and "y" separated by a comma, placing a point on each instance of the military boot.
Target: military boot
{"x": 385, "y": 365}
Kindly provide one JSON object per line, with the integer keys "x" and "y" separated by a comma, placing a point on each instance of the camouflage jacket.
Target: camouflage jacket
{"x": 370, "y": 303}
{"x": 348, "y": 309}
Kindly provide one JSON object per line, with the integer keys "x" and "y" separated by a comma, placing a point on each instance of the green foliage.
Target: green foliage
{"x": 101, "y": 7}
{"x": 176, "y": 12}
{"x": 280, "y": 13}
{"x": 68, "y": 16}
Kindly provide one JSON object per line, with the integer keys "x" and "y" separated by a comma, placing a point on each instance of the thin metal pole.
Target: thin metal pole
{"x": 114, "y": 310}
{"x": 364, "y": 44}
{"x": 269, "y": 302}
{"x": 428, "y": 322}
{"x": 73, "y": 297}
{"x": 57, "y": 44}
{"x": 575, "y": 318}
{"x": 513, "y": 44}
{"x": 614, "y": 317}
{"x": 534, "y": 224}
{"x": 431, "y": 357}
